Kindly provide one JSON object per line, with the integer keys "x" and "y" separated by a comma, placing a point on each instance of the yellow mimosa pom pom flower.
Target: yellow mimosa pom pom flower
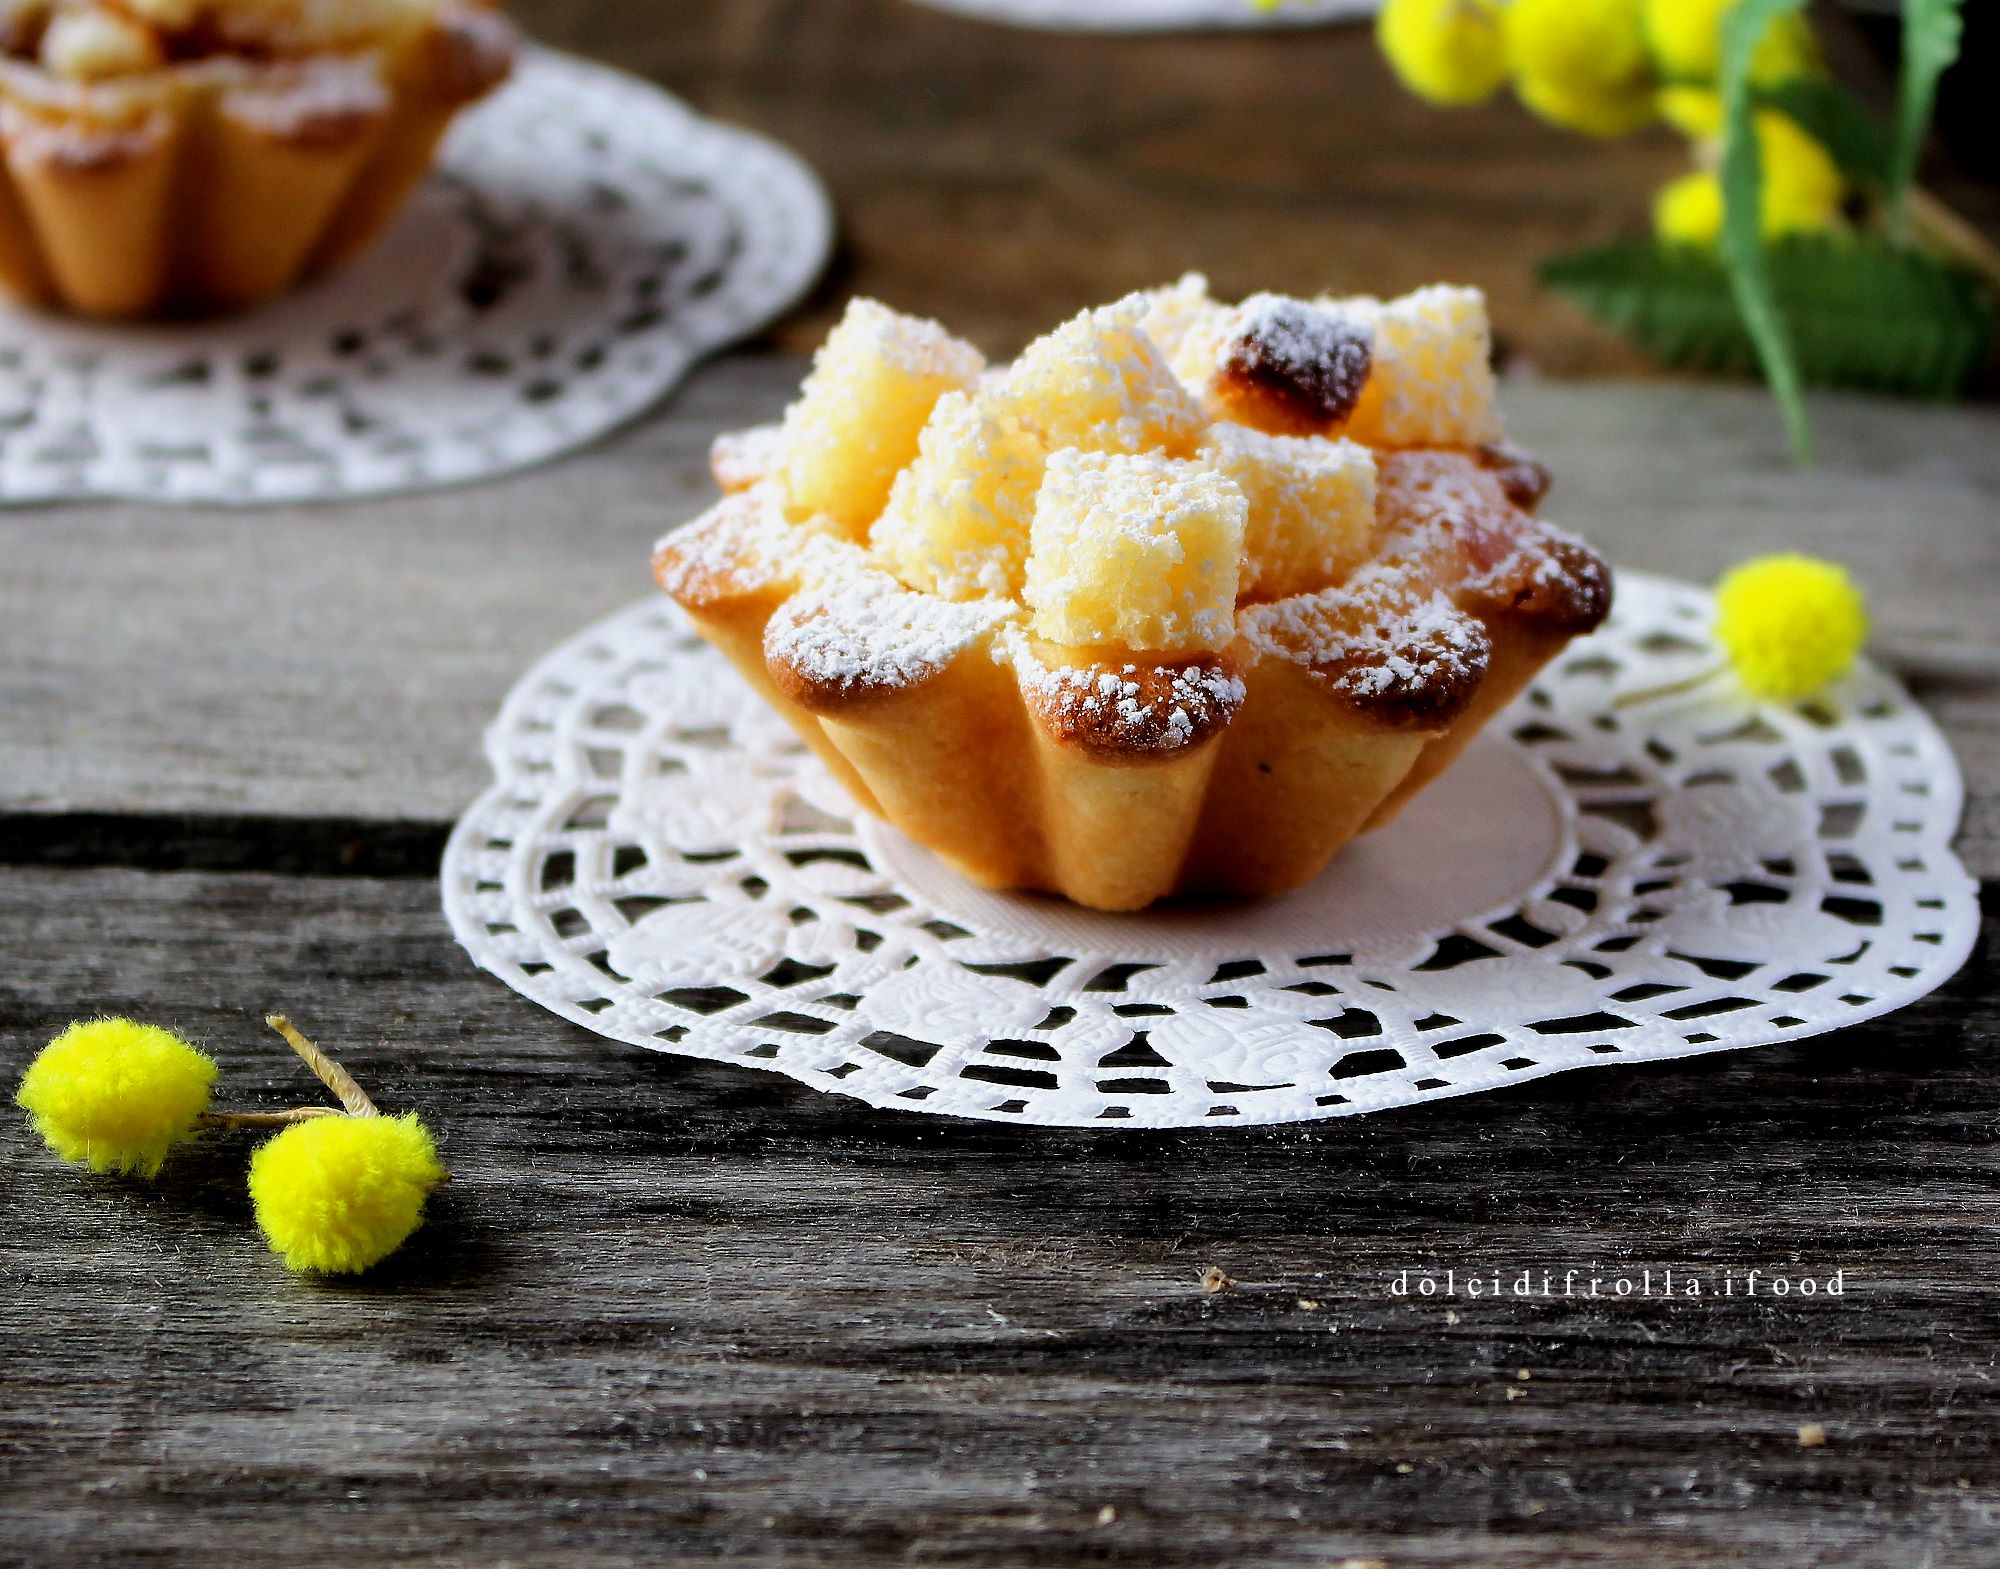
{"x": 116, "y": 1095}
{"x": 1450, "y": 52}
{"x": 1802, "y": 187}
{"x": 1695, "y": 112}
{"x": 339, "y": 1194}
{"x": 1688, "y": 211}
{"x": 1790, "y": 624}
{"x": 1592, "y": 112}
{"x": 1582, "y": 64}
{"x": 1802, "y": 183}
{"x": 1686, "y": 39}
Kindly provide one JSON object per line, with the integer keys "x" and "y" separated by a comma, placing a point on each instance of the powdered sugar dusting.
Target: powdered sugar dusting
{"x": 742, "y": 458}
{"x": 1452, "y": 523}
{"x": 1295, "y": 329}
{"x": 1378, "y": 566}
{"x": 1433, "y": 645}
{"x": 1311, "y": 506}
{"x": 1432, "y": 381}
{"x": 1135, "y": 551}
{"x": 1100, "y": 384}
{"x": 1170, "y": 314}
{"x": 1384, "y": 640}
{"x": 865, "y": 632}
{"x": 1442, "y": 513}
{"x": 81, "y": 145}
{"x": 745, "y": 543}
{"x": 915, "y": 345}
{"x": 327, "y": 101}
{"x": 1551, "y": 576}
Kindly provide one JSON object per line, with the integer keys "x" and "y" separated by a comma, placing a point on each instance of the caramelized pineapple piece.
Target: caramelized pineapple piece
{"x": 958, "y": 517}
{"x": 96, "y": 45}
{"x": 1432, "y": 385}
{"x": 1290, "y": 367}
{"x": 1135, "y": 551}
{"x": 873, "y": 385}
{"x": 1099, "y": 384}
{"x": 1311, "y": 506}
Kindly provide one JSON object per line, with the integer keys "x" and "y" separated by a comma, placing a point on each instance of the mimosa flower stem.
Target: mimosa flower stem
{"x": 1648, "y": 694}
{"x": 229, "y": 1120}
{"x": 331, "y": 1073}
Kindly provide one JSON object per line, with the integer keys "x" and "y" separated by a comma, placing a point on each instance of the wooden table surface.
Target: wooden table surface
{"x": 671, "y": 1312}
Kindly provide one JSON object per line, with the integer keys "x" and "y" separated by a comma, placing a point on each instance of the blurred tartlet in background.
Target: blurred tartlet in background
{"x": 173, "y": 157}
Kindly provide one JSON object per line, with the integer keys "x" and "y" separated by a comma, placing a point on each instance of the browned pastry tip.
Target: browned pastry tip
{"x": 1132, "y": 710}
{"x": 467, "y": 52}
{"x": 1552, "y": 581}
{"x": 1523, "y": 477}
{"x": 1419, "y": 671}
{"x": 713, "y": 562}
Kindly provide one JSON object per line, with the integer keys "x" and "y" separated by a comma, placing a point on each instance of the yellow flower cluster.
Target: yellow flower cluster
{"x": 1790, "y": 624}
{"x": 334, "y": 1193}
{"x": 1686, "y": 39}
{"x": 1802, "y": 186}
{"x": 1451, "y": 52}
{"x": 1588, "y": 65}
{"x": 1582, "y": 64}
{"x": 1608, "y": 67}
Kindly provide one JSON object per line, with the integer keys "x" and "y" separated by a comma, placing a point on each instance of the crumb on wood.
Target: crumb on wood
{"x": 1524, "y": 1375}
{"x": 1812, "y": 1435}
{"x": 1308, "y": 1304}
{"x": 1215, "y": 1278}
{"x": 1362, "y": 1563}
{"x": 1107, "y": 1514}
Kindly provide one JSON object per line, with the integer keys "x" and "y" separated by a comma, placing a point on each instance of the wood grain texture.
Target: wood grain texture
{"x": 341, "y": 661}
{"x": 997, "y": 176}
{"x": 668, "y": 1312}
{"x": 1002, "y": 178}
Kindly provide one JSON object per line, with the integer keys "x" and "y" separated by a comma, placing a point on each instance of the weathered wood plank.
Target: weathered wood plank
{"x": 676, "y": 1313}
{"x": 998, "y": 178}
{"x": 1001, "y": 178}
{"x": 341, "y": 661}
{"x": 668, "y": 1312}
{"x": 325, "y": 661}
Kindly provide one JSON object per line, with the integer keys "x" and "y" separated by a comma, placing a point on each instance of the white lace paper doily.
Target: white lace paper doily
{"x": 662, "y": 863}
{"x": 586, "y": 240}
{"x": 1156, "y": 16}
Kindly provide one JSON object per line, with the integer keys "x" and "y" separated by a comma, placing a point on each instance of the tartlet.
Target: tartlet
{"x": 1178, "y": 603}
{"x": 170, "y": 157}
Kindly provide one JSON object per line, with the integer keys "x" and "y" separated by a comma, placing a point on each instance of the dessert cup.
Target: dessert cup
{"x": 226, "y": 174}
{"x": 1230, "y": 751}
